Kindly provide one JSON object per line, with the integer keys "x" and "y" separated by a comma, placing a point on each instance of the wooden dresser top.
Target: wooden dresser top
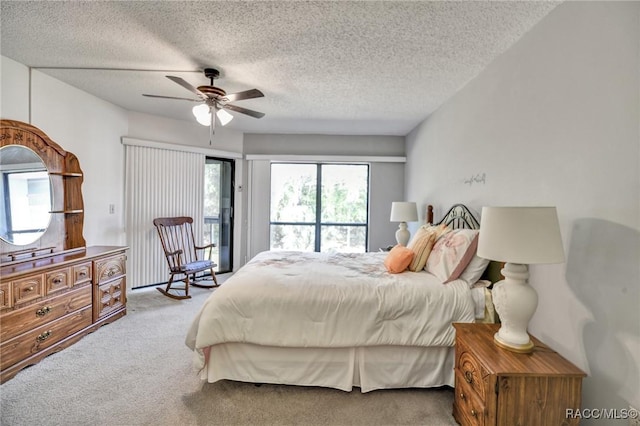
{"x": 542, "y": 361}
{"x": 28, "y": 266}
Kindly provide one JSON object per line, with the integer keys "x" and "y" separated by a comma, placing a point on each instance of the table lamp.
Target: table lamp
{"x": 403, "y": 212}
{"x": 519, "y": 236}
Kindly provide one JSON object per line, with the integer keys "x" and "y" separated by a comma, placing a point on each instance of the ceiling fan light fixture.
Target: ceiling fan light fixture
{"x": 202, "y": 114}
{"x": 214, "y": 100}
{"x": 224, "y": 117}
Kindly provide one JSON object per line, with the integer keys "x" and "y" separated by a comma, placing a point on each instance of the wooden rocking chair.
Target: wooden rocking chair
{"x": 181, "y": 252}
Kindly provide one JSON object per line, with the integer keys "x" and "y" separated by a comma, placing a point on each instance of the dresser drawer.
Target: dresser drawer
{"x": 109, "y": 297}
{"x": 6, "y": 301}
{"x": 471, "y": 371}
{"x": 40, "y": 338}
{"x": 27, "y": 289}
{"x": 110, "y": 268}
{"x": 58, "y": 280}
{"x": 467, "y": 406}
{"x": 81, "y": 273}
{"x": 38, "y": 314}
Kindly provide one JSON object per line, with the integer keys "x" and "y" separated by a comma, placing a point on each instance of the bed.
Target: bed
{"x": 341, "y": 320}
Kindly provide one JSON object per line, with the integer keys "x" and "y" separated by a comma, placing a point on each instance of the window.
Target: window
{"x": 319, "y": 207}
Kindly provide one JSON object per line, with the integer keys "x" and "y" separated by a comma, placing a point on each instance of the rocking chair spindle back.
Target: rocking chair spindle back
{"x": 184, "y": 257}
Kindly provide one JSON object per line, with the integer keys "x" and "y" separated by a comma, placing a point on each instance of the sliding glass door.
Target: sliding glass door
{"x": 218, "y": 210}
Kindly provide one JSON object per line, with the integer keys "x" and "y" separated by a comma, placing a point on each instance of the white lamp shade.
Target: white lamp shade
{"x": 524, "y": 235}
{"x": 224, "y": 117}
{"x": 202, "y": 114}
{"x": 404, "y": 211}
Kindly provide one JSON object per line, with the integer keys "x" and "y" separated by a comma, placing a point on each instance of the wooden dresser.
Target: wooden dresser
{"x": 494, "y": 386}
{"x": 49, "y": 304}
{"x": 53, "y": 289}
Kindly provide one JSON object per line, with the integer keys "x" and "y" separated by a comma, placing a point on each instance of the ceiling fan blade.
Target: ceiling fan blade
{"x": 241, "y": 110}
{"x": 247, "y": 94}
{"x": 187, "y": 86}
{"x": 171, "y": 97}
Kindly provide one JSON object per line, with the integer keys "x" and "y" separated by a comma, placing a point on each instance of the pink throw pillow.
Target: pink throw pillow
{"x": 452, "y": 253}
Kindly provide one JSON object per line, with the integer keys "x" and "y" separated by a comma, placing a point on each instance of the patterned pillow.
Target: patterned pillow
{"x": 398, "y": 259}
{"x": 422, "y": 244}
{"x": 419, "y": 233}
{"x": 452, "y": 253}
{"x": 421, "y": 250}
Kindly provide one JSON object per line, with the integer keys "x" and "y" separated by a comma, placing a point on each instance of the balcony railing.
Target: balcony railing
{"x": 212, "y": 235}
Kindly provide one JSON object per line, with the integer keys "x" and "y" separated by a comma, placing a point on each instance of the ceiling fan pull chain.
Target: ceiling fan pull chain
{"x": 212, "y": 112}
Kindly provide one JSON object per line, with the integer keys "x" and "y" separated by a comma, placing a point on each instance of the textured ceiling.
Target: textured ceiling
{"x": 332, "y": 67}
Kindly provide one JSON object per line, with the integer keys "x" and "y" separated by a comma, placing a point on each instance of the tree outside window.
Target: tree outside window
{"x": 319, "y": 207}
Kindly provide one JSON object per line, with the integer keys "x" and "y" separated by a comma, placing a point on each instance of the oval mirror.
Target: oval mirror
{"x": 26, "y": 195}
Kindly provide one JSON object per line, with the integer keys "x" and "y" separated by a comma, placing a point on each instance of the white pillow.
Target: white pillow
{"x": 474, "y": 269}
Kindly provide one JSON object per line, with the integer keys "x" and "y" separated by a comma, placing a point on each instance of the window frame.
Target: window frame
{"x": 318, "y": 223}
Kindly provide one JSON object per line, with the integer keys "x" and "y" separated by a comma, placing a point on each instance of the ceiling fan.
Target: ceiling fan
{"x": 214, "y": 100}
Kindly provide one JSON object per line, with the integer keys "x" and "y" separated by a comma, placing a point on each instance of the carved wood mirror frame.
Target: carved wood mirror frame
{"x": 65, "y": 228}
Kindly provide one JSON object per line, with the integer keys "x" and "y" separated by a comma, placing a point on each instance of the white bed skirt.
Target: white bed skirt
{"x": 368, "y": 368}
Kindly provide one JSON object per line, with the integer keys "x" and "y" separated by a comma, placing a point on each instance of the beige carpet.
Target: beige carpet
{"x": 137, "y": 371}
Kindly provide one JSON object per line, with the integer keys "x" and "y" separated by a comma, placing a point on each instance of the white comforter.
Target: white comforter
{"x": 296, "y": 299}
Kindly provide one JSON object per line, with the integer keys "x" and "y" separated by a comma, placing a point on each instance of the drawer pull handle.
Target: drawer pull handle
{"x": 468, "y": 376}
{"x": 29, "y": 288}
{"x": 43, "y": 311}
{"x": 462, "y": 396}
{"x": 111, "y": 272}
{"x": 57, "y": 280}
{"x": 473, "y": 412}
{"x": 82, "y": 274}
{"x": 44, "y": 336}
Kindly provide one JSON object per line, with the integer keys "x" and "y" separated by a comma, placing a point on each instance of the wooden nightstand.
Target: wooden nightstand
{"x": 495, "y": 386}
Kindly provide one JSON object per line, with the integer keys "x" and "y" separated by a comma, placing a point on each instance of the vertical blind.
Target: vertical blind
{"x": 159, "y": 183}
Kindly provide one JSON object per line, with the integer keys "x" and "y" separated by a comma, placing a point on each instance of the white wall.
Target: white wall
{"x": 386, "y": 184}
{"x": 14, "y": 90}
{"x": 84, "y": 125}
{"x": 555, "y": 121}
{"x": 298, "y": 144}
{"x": 258, "y": 198}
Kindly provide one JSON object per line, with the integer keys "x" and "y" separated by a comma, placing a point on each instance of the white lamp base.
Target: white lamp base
{"x": 523, "y": 349}
{"x": 515, "y": 302}
{"x": 402, "y": 234}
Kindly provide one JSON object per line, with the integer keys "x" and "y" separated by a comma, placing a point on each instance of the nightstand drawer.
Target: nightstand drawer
{"x": 467, "y": 406}
{"x": 471, "y": 372}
